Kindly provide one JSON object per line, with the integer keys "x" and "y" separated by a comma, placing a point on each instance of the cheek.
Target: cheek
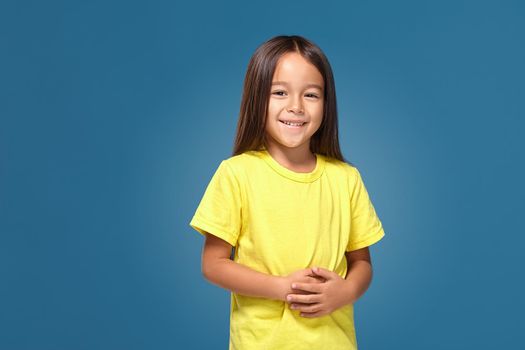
{"x": 318, "y": 114}
{"x": 273, "y": 108}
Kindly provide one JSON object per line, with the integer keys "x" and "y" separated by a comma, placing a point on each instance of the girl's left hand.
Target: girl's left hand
{"x": 323, "y": 298}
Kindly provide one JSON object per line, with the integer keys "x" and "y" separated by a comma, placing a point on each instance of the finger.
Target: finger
{"x": 298, "y": 291}
{"x": 319, "y": 271}
{"x": 303, "y": 298}
{"x": 315, "y": 279}
{"x": 308, "y": 308}
{"x": 311, "y": 279}
{"x": 308, "y": 287}
{"x": 312, "y": 314}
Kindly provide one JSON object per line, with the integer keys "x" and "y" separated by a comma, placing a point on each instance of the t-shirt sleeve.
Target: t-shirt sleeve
{"x": 219, "y": 211}
{"x": 365, "y": 226}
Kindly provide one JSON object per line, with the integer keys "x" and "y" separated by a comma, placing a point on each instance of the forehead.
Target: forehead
{"x": 294, "y": 69}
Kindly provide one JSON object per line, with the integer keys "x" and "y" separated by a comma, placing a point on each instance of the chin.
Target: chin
{"x": 291, "y": 145}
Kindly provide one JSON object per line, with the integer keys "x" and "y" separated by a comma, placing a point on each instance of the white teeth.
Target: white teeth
{"x": 293, "y": 124}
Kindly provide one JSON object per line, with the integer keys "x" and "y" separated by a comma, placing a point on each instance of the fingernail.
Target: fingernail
{"x": 294, "y": 285}
{"x": 289, "y": 297}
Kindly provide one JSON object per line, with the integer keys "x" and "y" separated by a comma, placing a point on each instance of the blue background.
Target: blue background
{"x": 114, "y": 116}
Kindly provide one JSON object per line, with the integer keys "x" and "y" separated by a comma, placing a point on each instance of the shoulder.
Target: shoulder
{"x": 239, "y": 164}
{"x": 341, "y": 168}
{"x": 345, "y": 174}
{"x": 243, "y": 160}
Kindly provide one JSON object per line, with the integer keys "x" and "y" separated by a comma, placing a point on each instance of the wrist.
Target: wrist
{"x": 350, "y": 292}
{"x": 282, "y": 288}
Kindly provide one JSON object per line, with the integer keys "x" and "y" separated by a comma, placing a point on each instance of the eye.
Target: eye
{"x": 312, "y": 95}
{"x": 278, "y": 93}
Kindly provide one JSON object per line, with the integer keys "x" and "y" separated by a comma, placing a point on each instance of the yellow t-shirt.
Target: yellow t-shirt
{"x": 281, "y": 221}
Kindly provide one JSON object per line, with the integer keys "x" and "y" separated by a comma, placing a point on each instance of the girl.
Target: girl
{"x": 296, "y": 212}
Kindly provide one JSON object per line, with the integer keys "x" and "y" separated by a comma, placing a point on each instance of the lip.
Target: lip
{"x": 293, "y": 126}
{"x": 292, "y": 121}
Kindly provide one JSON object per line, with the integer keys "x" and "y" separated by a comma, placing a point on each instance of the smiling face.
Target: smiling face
{"x": 296, "y": 96}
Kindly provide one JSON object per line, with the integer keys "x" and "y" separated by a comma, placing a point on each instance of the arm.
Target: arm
{"x": 359, "y": 274}
{"x": 223, "y": 272}
{"x": 336, "y": 291}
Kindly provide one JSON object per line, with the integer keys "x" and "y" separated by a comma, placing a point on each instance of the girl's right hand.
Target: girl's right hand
{"x": 299, "y": 276}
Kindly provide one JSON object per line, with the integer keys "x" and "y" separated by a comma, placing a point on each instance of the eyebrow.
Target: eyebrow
{"x": 308, "y": 85}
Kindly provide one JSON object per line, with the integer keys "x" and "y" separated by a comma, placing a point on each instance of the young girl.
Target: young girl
{"x": 296, "y": 212}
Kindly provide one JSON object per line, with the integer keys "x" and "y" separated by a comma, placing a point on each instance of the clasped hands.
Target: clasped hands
{"x": 316, "y": 291}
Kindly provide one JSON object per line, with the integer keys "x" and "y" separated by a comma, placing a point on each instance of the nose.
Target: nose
{"x": 295, "y": 106}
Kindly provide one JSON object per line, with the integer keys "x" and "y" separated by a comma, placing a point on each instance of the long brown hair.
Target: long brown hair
{"x": 256, "y": 93}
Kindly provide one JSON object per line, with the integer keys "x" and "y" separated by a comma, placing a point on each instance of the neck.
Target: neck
{"x": 292, "y": 157}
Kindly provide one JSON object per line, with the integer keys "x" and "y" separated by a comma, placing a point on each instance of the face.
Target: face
{"x": 296, "y": 96}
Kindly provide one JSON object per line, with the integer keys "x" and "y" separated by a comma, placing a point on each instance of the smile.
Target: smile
{"x": 293, "y": 125}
